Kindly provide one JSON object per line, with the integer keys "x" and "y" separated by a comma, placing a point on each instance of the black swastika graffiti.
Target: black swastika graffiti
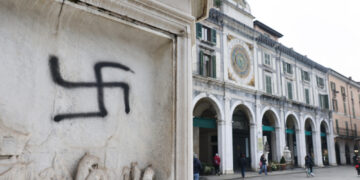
{"x": 99, "y": 84}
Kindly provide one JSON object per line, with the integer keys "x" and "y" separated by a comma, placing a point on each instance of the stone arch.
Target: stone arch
{"x": 327, "y": 126}
{"x": 292, "y": 138}
{"x": 273, "y": 112}
{"x": 270, "y": 123}
{"x": 207, "y": 112}
{"x": 243, "y": 134}
{"x": 211, "y": 98}
{"x": 312, "y": 122}
{"x": 246, "y": 108}
{"x": 324, "y": 130}
{"x": 297, "y": 121}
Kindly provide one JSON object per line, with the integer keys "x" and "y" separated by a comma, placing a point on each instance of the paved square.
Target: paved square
{"x": 330, "y": 173}
{"x": 336, "y": 173}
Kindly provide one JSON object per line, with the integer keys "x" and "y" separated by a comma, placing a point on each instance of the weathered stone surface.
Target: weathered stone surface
{"x": 53, "y": 87}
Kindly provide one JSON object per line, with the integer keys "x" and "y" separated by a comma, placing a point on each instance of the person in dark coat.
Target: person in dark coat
{"x": 309, "y": 164}
{"x": 243, "y": 165}
{"x": 355, "y": 159}
{"x": 263, "y": 166}
{"x": 197, "y": 167}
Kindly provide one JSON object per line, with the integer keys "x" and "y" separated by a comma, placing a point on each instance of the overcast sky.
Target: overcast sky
{"x": 327, "y": 31}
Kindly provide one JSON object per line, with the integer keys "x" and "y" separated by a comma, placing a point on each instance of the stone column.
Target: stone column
{"x": 226, "y": 146}
{"x": 253, "y": 146}
{"x": 317, "y": 148}
{"x": 221, "y": 143}
{"x": 331, "y": 145}
{"x": 351, "y": 149}
{"x": 258, "y": 135}
{"x": 279, "y": 146}
{"x": 300, "y": 133}
{"x": 342, "y": 152}
{"x": 282, "y": 134}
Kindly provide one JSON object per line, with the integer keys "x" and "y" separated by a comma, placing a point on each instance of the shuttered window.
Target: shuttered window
{"x": 305, "y": 75}
{"x": 267, "y": 60}
{"x": 205, "y": 33}
{"x": 201, "y": 63}
{"x": 213, "y": 59}
{"x": 335, "y": 105}
{"x": 290, "y": 90}
{"x": 207, "y": 65}
{"x": 213, "y": 36}
{"x": 337, "y": 126}
{"x": 355, "y": 130}
{"x": 268, "y": 84}
{"x": 307, "y": 96}
{"x": 198, "y": 30}
{"x": 320, "y": 82}
{"x": 287, "y": 68}
{"x": 323, "y": 101}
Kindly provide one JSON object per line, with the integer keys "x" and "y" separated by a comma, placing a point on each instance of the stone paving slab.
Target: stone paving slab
{"x": 252, "y": 174}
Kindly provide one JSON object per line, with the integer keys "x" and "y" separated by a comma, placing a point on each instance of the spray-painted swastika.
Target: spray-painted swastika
{"x": 99, "y": 84}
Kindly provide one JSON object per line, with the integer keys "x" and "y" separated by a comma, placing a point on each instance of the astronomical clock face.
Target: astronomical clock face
{"x": 240, "y": 61}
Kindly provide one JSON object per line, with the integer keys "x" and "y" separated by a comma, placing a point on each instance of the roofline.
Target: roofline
{"x": 344, "y": 78}
{"x": 221, "y": 19}
{"x": 268, "y": 29}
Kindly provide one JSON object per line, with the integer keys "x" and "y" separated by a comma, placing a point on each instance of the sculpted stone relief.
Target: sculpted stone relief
{"x": 88, "y": 169}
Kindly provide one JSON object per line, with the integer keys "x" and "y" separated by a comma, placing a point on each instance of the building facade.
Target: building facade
{"x": 92, "y": 88}
{"x": 345, "y": 105}
{"x": 253, "y": 96}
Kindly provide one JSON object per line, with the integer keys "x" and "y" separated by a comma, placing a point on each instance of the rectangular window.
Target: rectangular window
{"x": 320, "y": 82}
{"x": 335, "y": 105}
{"x": 355, "y": 130}
{"x": 268, "y": 84}
{"x": 345, "y": 111}
{"x": 207, "y": 65}
{"x": 353, "y": 108}
{"x": 337, "y": 126}
{"x": 206, "y": 34}
{"x": 347, "y": 128}
{"x": 305, "y": 75}
{"x": 323, "y": 101}
{"x": 290, "y": 91}
{"x": 267, "y": 60}
{"x": 333, "y": 86}
{"x": 307, "y": 96}
{"x": 287, "y": 68}
{"x": 343, "y": 91}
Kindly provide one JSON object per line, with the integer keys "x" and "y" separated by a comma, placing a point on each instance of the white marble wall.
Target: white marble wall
{"x": 80, "y": 37}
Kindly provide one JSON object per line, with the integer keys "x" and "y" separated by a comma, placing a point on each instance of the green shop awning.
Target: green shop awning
{"x": 308, "y": 133}
{"x": 268, "y": 128}
{"x": 204, "y": 123}
{"x": 289, "y": 131}
{"x": 323, "y": 134}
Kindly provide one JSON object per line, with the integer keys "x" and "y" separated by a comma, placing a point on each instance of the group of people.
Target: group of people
{"x": 308, "y": 164}
{"x": 242, "y": 162}
{"x": 197, "y": 166}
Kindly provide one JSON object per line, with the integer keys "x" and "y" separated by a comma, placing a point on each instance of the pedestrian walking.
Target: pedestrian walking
{"x": 355, "y": 159}
{"x": 309, "y": 164}
{"x": 262, "y": 164}
{"x": 243, "y": 165}
{"x": 357, "y": 166}
{"x": 197, "y": 167}
{"x": 217, "y": 161}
